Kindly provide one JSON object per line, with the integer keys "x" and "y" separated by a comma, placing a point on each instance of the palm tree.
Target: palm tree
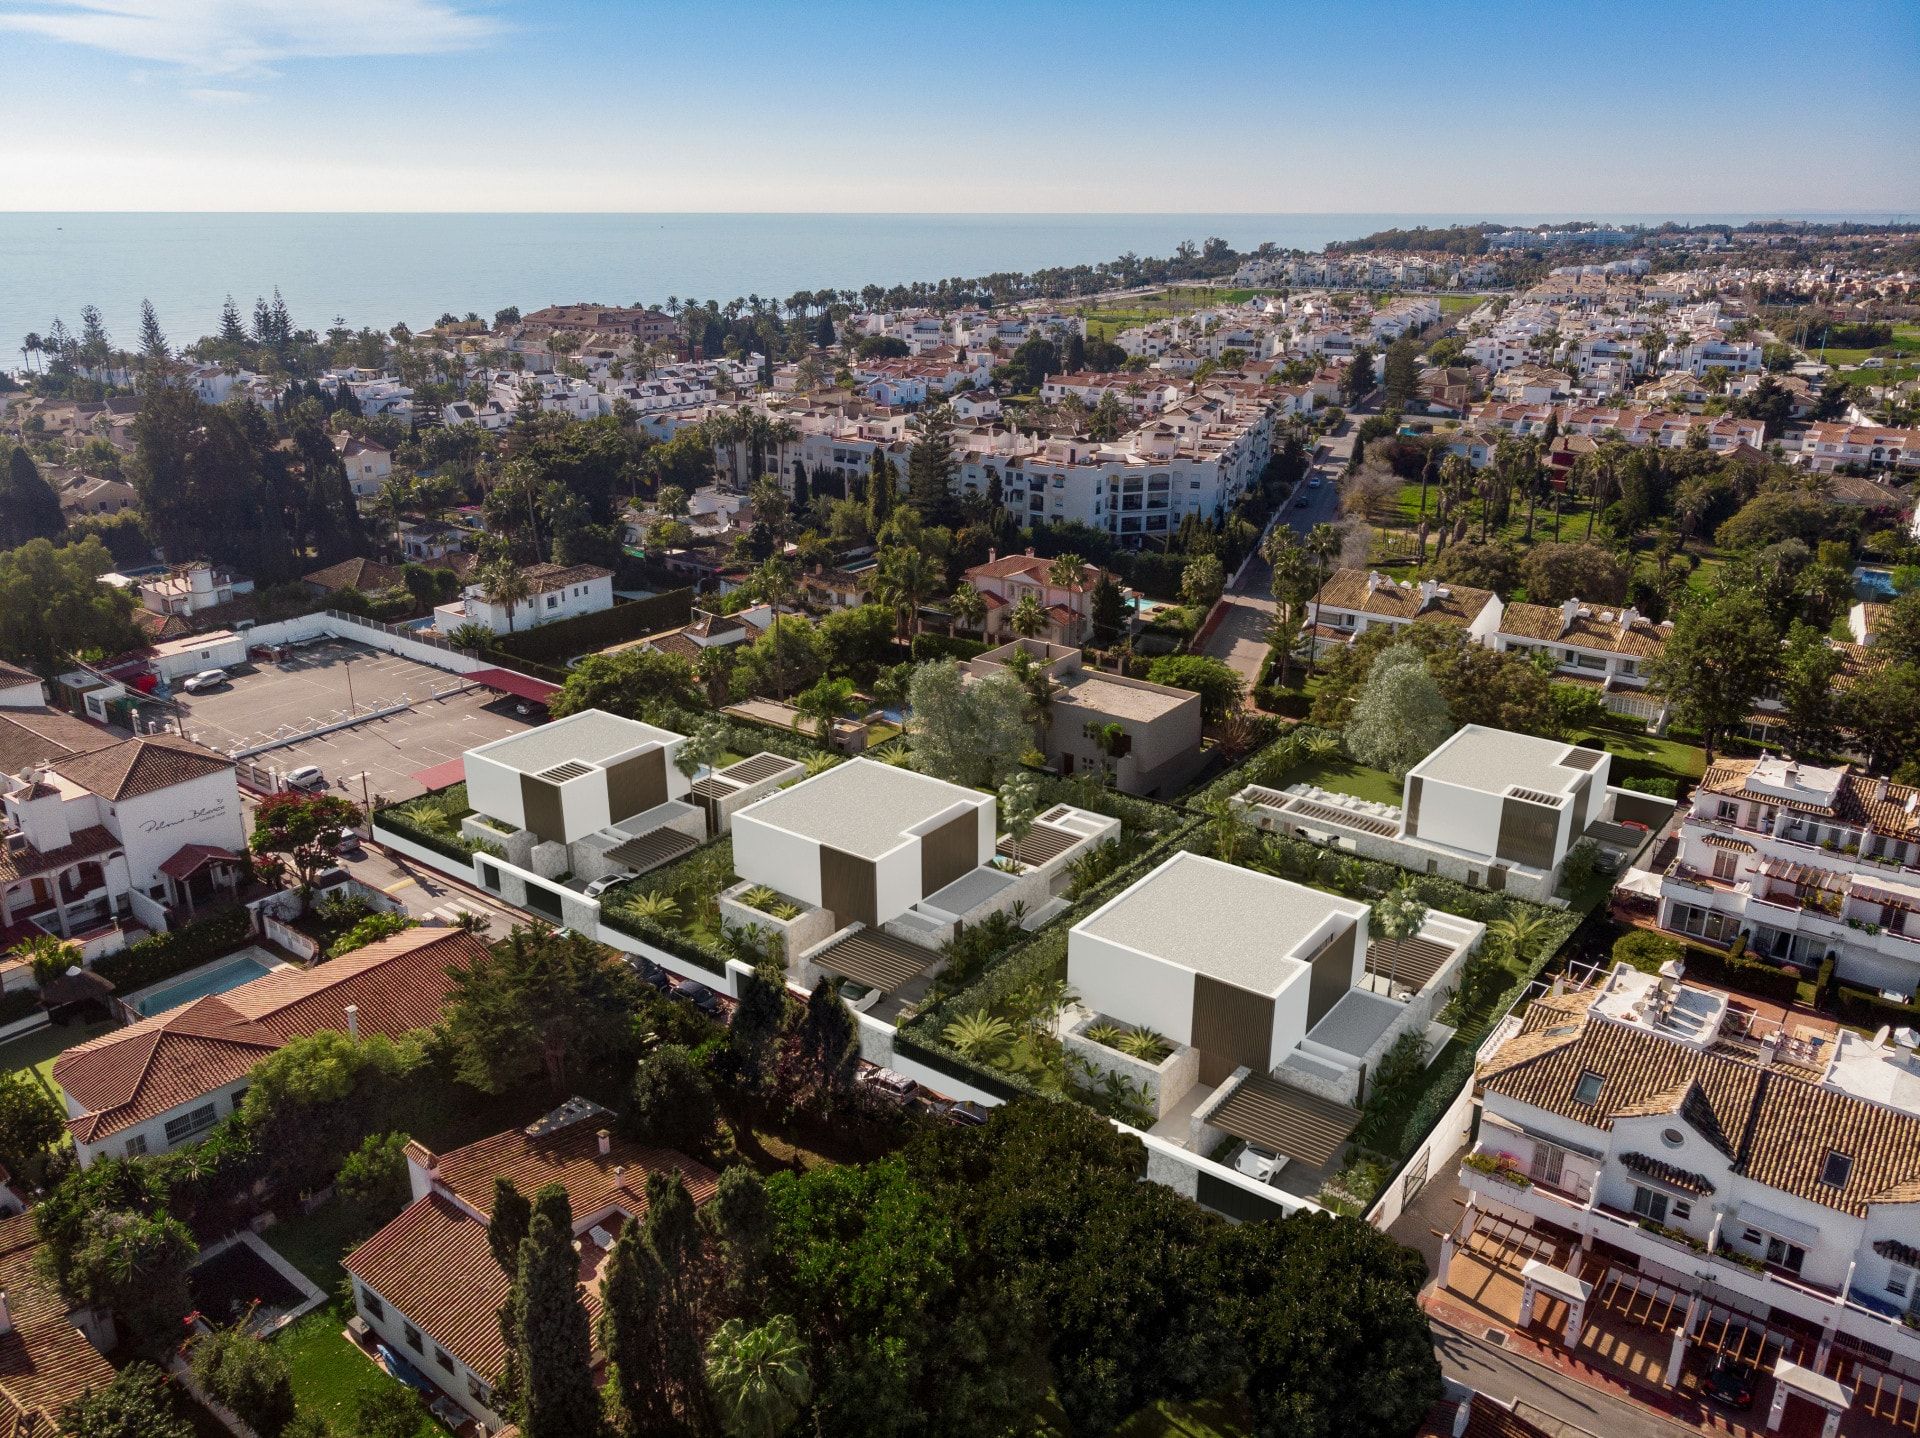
{"x": 978, "y": 1035}
{"x": 969, "y": 606}
{"x": 906, "y": 579}
{"x": 660, "y": 908}
{"x": 1518, "y": 931}
{"x": 503, "y": 583}
{"x": 774, "y": 583}
{"x": 758, "y": 1377}
{"x": 1028, "y": 618}
{"x": 824, "y": 703}
{"x": 1068, "y": 571}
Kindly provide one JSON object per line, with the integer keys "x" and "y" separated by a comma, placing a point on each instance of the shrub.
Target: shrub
{"x": 373, "y": 1181}
{"x": 372, "y": 927}
{"x": 671, "y": 1103}
{"x": 1646, "y": 951}
{"x": 1660, "y": 788}
{"x": 159, "y": 957}
{"x": 250, "y": 1377}
{"x": 928, "y": 647}
{"x": 1752, "y": 976}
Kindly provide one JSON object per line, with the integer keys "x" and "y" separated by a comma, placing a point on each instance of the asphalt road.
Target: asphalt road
{"x": 1502, "y": 1375}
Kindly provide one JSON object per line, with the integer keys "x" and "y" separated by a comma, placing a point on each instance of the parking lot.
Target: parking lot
{"x": 311, "y": 688}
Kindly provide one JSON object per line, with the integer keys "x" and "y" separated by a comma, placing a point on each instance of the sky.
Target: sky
{"x": 1623, "y": 106}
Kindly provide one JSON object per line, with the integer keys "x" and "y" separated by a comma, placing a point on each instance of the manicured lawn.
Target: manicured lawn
{"x": 1456, "y": 304}
{"x": 1209, "y": 1418}
{"x": 1344, "y": 776}
{"x": 329, "y": 1373}
{"x": 1640, "y": 755}
{"x": 37, "y": 1051}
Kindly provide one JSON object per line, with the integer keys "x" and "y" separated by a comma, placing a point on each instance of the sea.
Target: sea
{"x": 379, "y": 269}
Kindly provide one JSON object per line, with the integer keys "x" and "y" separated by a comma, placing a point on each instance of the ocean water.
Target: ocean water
{"x": 378, "y": 269}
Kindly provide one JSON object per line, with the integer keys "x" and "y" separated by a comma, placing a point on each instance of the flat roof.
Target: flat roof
{"x": 861, "y": 807}
{"x": 1355, "y": 1024}
{"x": 1221, "y": 920}
{"x": 1496, "y": 760}
{"x": 1142, "y": 701}
{"x": 592, "y": 736}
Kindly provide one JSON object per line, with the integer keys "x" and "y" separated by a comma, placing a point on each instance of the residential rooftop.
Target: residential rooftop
{"x": 592, "y": 736}
{"x": 1244, "y": 928}
{"x": 862, "y": 807}
{"x": 1496, "y": 760}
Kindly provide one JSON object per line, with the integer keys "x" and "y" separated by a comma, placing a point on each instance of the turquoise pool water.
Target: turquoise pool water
{"x": 214, "y": 979}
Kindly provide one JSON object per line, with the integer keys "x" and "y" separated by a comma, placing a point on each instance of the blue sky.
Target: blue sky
{"x": 1683, "y": 106}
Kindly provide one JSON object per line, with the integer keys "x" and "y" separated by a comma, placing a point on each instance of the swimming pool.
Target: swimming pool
{"x": 214, "y": 978}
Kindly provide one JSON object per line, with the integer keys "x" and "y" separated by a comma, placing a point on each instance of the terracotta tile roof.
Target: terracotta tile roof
{"x": 365, "y": 575}
{"x": 136, "y": 767}
{"x": 1861, "y": 800}
{"x": 152, "y": 1067}
{"x": 1030, "y": 566}
{"x": 1775, "y": 1126}
{"x": 544, "y": 577}
{"x": 432, "y": 1263}
{"x": 1348, "y": 589}
{"x": 191, "y": 857}
{"x": 25, "y": 861}
{"x": 1588, "y": 631}
{"x": 160, "y": 627}
{"x": 33, "y": 736}
{"x": 45, "y": 1362}
{"x": 11, "y": 674}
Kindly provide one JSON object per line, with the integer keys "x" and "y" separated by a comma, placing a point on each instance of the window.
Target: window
{"x": 479, "y": 1391}
{"x": 136, "y": 1145}
{"x": 1836, "y": 1170}
{"x": 440, "y": 1357}
{"x": 1681, "y": 1209}
{"x": 412, "y": 1336}
{"x": 1782, "y": 1254}
{"x": 1650, "y": 1203}
{"x": 1900, "y": 1281}
{"x": 239, "y": 1097}
{"x": 1672, "y": 1137}
{"x": 1724, "y": 867}
{"x": 1587, "y": 1090}
{"x": 198, "y": 1120}
{"x": 370, "y": 1301}
{"x": 1728, "y": 809}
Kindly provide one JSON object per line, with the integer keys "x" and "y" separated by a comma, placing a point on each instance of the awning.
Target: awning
{"x": 1723, "y": 841}
{"x": 1752, "y": 1215}
{"x": 1039, "y": 844}
{"x": 192, "y": 858}
{"x": 1897, "y": 896}
{"x": 1412, "y": 962}
{"x": 1290, "y": 1121}
{"x": 521, "y": 686}
{"x": 652, "y": 849}
{"x": 877, "y": 959}
{"x": 1802, "y": 875}
{"x": 1831, "y": 1395}
{"x": 441, "y": 776}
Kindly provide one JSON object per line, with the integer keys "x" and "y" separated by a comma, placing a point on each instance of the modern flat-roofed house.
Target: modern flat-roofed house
{"x": 1158, "y": 746}
{"x": 571, "y": 796}
{"x": 865, "y": 840}
{"x": 1742, "y": 1174}
{"x": 1353, "y": 601}
{"x": 1488, "y": 807}
{"x": 1277, "y": 1004}
{"x": 163, "y": 1082}
{"x": 428, "y": 1284}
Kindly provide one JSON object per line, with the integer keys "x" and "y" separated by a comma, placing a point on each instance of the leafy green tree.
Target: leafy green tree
{"x": 1358, "y": 378}
{"x": 827, "y": 1044}
{"x": 302, "y": 829}
{"x": 882, "y": 485}
{"x": 1882, "y": 708}
{"x": 29, "y": 509}
{"x": 540, "y": 1004}
{"x": 1401, "y": 716}
{"x": 1557, "y": 572}
{"x": 321, "y": 1095}
{"x": 967, "y": 731}
{"x": 1896, "y": 633}
{"x": 758, "y": 1376}
{"x": 633, "y": 683}
{"x": 555, "y": 1350}
{"x": 389, "y": 1410}
{"x": 138, "y": 1403}
{"x": 1401, "y": 372}
{"x": 248, "y": 1376}
{"x": 1720, "y": 657}
{"x": 1219, "y": 688}
{"x": 373, "y": 1181}
{"x": 1809, "y": 673}
{"x": 31, "y": 1122}
{"x": 53, "y": 605}
{"x": 672, "y": 1104}
{"x": 739, "y": 1229}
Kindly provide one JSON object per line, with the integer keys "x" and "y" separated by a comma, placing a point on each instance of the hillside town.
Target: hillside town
{"x": 926, "y": 859}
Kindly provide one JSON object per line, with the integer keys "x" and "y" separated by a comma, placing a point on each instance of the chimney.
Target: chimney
{"x": 1029, "y": 551}
{"x": 353, "y": 1020}
{"x": 1428, "y": 589}
{"x": 1569, "y": 609}
{"x": 6, "y": 1315}
{"x": 992, "y": 554}
{"x": 1374, "y": 580}
{"x": 606, "y": 1142}
{"x": 1628, "y": 618}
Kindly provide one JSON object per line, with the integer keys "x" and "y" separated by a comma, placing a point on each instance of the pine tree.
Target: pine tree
{"x": 554, "y": 1342}
{"x": 507, "y": 1229}
{"x": 632, "y": 1311}
{"x": 930, "y": 465}
{"x": 233, "y": 330}
{"x": 880, "y": 490}
{"x": 153, "y": 340}
{"x": 828, "y": 1041}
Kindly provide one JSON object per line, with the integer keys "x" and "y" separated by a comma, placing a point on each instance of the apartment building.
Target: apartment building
{"x": 1701, "y": 354}
{"x": 1805, "y": 861}
{"x": 1827, "y": 447}
{"x": 1723, "y": 434}
{"x": 1654, "y": 1139}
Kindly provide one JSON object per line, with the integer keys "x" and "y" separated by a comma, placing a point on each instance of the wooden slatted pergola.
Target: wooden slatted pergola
{"x": 876, "y": 959}
{"x": 652, "y": 849}
{"x": 1298, "y": 1125}
{"x": 1412, "y": 962}
{"x": 1509, "y": 1245}
{"x": 1642, "y": 1300}
{"x": 1039, "y": 844}
{"x": 1880, "y": 1391}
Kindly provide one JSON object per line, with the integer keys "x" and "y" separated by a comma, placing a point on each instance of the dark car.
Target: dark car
{"x": 652, "y": 973}
{"x": 968, "y": 1114}
{"x": 699, "y": 995}
{"x": 1730, "y": 1383}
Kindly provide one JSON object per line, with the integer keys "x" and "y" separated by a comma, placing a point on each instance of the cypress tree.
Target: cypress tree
{"x": 507, "y": 1229}
{"x": 552, "y": 1202}
{"x": 673, "y": 1238}
{"x": 555, "y": 1345}
{"x": 29, "y": 509}
{"x": 880, "y": 490}
{"x": 802, "y": 496}
{"x": 632, "y": 1308}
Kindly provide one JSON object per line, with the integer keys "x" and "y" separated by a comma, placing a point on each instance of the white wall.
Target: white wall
{"x": 494, "y": 790}
{"x": 1290, "y": 1013}
{"x": 896, "y": 881}
{"x": 1460, "y": 818}
{"x": 218, "y": 652}
{"x": 154, "y": 1130}
{"x": 153, "y": 827}
{"x": 786, "y": 862}
{"x": 1125, "y": 984}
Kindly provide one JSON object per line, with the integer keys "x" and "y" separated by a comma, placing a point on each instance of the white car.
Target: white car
{"x": 600, "y": 886}
{"x": 307, "y": 776}
{"x": 1260, "y": 1164}
{"x": 206, "y": 679}
{"x": 858, "y": 997}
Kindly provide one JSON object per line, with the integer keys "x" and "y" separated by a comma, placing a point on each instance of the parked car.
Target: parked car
{"x": 347, "y": 842}
{"x": 652, "y": 973}
{"x": 1300, "y": 503}
{"x": 968, "y": 1114}
{"x": 1730, "y": 1383}
{"x": 306, "y": 777}
{"x": 599, "y": 886}
{"x": 1313, "y": 482}
{"x": 1260, "y": 1164}
{"x": 896, "y": 1088}
{"x": 699, "y": 995}
{"x": 858, "y": 997}
{"x": 206, "y": 679}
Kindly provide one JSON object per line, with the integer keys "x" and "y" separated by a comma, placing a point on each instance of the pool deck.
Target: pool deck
{"x": 266, "y": 959}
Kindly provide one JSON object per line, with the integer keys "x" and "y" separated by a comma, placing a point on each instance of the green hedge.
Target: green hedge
{"x": 661, "y": 937}
{"x": 18, "y": 1004}
{"x": 1773, "y": 982}
{"x": 398, "y": 823}
{"x": 1866, "y": 1009}
{"x": 561, "y": 640}
{"x": 159, "y": 957}
{"x": 927, "y": 647}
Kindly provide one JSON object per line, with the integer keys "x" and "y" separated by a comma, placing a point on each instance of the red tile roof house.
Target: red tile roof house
{"x": 165, "y": 1081}
{"x": 46, "y": 1361}
{"x": 427, "y": 1284}
{"x": 1004, "y": 582}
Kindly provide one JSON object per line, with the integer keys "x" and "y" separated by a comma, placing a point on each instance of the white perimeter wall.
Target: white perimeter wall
{"x": 1123, "y": 984}
{"x": 494, "y": 790}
